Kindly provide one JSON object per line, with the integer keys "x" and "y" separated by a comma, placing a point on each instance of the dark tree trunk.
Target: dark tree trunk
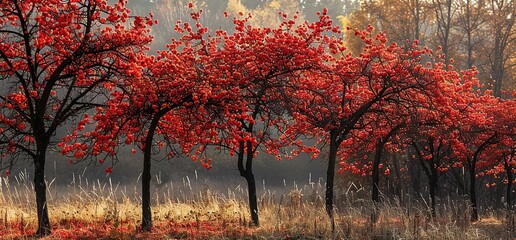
{"x": 146, "y": 205}
{"x": 415, "y": 174}
{"x": 249, "y": 177}
{"x": 472, "y": 164}
{"x": 253, "y": 203}
{"x": 375, "y": 194}
{"x": 509, "y": 190}
{"x": 40, "y": 188}
{"x": 376, "y": 171}
{"x": 398, "y": 183}
{"x": 433, "y": 191}
{"x": 459, "y": 181}
{"x": 247, "y": 173}
{"x": 473, "y": 195}
{"x": 376, "y": 164}
{"x": 330, "y": 173}
{"x": 510, "y": 178}
{"x": 429, "y": 168}
{"x": 146, "y": 175}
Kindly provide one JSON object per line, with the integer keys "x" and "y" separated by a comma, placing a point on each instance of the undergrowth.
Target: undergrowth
{"x": 103, "y": 210}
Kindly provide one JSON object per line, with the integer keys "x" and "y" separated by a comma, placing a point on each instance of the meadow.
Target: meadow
{"x": 191, "y": 209}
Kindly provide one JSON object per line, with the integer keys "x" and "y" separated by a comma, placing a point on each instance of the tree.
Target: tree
{"x": 483, "y": 125}
{"x": 476, "y": 134}
{"x": 262, "y": 61}
{"x": 501, "y": 22}
{"x": 331, "y": 104}
{"x": 402, "y": 20}
{"x": 444, "y": 13}
{"x": 372, "y": 134}
{"x": 59, "y": 59}
{"x": 432, "y": 131}
{"x": 471, "y": 19}
{"x": 171, "y": 100}
{"x": 433, "y": 154}
{"x": 499, "y": 158}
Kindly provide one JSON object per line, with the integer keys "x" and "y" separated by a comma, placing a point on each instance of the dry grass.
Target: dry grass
{"x": 92, "y": 210}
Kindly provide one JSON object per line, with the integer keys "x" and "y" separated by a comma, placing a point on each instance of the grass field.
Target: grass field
{"x": 93, "y": 210}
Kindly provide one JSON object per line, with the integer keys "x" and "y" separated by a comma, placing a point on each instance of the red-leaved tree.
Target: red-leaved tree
{"x": 433, "y": 126}
{"x": 262, "y": 62}
{"x": 174, "y": 103}
{"x": 332, "y": 104}
{"x": 58, "y": 60}
{"x": 376, "y": 133}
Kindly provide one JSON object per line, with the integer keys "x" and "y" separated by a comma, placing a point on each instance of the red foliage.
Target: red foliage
{"x": 60, "y": 59}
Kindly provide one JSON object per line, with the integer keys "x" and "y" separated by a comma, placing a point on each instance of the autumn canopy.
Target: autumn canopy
{"x": 87, "y": 64}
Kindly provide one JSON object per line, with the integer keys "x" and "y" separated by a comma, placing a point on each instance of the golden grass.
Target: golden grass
{"x": 90, "y": 210}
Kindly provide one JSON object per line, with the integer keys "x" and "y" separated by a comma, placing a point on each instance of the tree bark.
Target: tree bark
{"x": 398, "y": 184}
{"x": 429, "y": 168}
{"x": 415, "y": 174}
{"x": 330, "y": 173}
{"x": 146, "y": 175}
{"x": 251, "y": 184}
{"x": 433, "y": 192}
{"x": 376, "y": 180}
{"x": 472, "y": 171}
{"x": 510, "y": 178}
{"x": 473, "y": 195}
{"x": 40, "y": 188}
{"x": 417, "y": 19}
{"x": 247, "y": 173}
{"x": 376, "y": 171}
{"x": 253, "y": 203}
{"x": 377, "y": 159}
{"x": 443, "y": 16}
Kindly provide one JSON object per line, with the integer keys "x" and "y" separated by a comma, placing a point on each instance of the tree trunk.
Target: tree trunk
{"x": 376, "y": 172}
{"x": 510, "y": 178}
{"x": 414, "y": 173}
{"x": 40, "y": 188}
{"x": 433, "y": 191}
{"x": 429, "y": 168}
{"x": 472, "y": 163}
{"x": 249, "y": 177}
{"x": 146, "y": 207}
{"x": 375, "y": 195}
{"x": 247, "y": 173}
{"x": 330, "y": 173}
{"x": 253, "y": 203}
{"x": 398, "y": 184}
{"x": 417, "y": 20}
{"x": 473, "y": 195}
{"x": 509, "y": 190}
{"x": 376, "y": 180}
{"x": 146, "y": 175}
